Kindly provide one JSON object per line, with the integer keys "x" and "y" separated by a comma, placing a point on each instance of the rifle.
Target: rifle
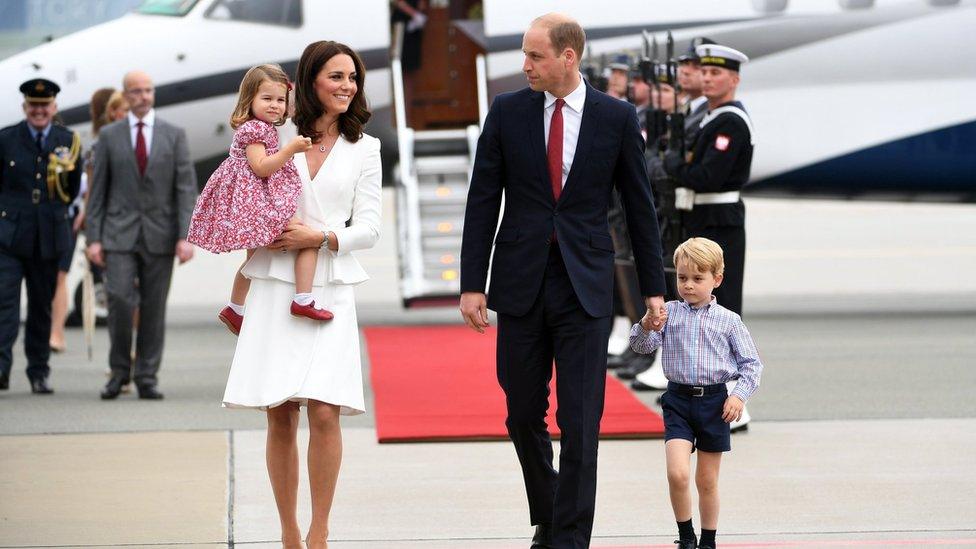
{"x": 672, "y": 137}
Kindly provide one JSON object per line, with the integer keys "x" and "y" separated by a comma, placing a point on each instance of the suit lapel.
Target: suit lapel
{"x": 588, "y": 127}
{"x": 125, "y": 136}
{"x": 536, "y": 120}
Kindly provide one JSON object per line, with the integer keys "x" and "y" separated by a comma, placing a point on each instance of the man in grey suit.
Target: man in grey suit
{"x": 141, "y": 199}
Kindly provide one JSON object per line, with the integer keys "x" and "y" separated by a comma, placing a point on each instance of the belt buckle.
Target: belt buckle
{"x": 36, "y": 196}
{"x": 697, "y": 391}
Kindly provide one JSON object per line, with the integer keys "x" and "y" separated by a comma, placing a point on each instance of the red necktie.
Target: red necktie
{"x": 141, "y": 157}
{"x": 554, "y": 151}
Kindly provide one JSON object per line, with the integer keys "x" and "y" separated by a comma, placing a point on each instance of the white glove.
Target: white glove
{"x": 417, "y": 22}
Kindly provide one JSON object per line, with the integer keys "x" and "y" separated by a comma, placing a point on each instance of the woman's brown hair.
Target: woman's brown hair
{"x": 249, "y": 89}
{"x": 98, "y": 106}
{"x": 308, "y": 108}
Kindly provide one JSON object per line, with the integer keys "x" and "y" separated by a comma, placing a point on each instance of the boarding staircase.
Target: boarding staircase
{"x": 431, "y": 180}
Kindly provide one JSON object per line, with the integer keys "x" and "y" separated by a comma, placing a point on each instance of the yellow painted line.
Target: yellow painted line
{"x": 114, "y": 488}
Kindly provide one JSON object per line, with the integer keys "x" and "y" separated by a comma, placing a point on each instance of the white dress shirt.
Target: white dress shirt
{"x": 147, "y": 133}
{"x": 572, "y": 118}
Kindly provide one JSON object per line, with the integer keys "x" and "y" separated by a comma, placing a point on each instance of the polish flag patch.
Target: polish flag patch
{"x": 722, "y": 142}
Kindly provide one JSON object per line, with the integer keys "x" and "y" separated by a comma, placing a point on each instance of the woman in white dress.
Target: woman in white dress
{"x": 283, "y": 362}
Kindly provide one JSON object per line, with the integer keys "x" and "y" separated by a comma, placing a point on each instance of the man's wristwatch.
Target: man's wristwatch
{"x": 325, "y": 241}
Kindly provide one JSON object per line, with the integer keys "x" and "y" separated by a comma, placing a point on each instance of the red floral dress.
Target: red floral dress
{"x": 238, "y": 210}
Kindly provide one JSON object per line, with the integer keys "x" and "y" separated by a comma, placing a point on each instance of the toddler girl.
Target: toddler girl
{"x": 253, "y": 194}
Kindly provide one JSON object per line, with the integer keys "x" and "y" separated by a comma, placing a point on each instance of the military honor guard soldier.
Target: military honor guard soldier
{"x": 40, "y": 174}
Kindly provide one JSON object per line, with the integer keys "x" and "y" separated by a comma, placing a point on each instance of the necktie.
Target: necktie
{"x": 141, "y": 157}
{"x": 554, "y": 152}
{"x": 40, "y": 141}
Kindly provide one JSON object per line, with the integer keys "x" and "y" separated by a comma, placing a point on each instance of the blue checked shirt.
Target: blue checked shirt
{"x": 704, "y": 346}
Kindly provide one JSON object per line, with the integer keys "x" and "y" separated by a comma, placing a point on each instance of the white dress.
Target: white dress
{"x": 280, "y": 357}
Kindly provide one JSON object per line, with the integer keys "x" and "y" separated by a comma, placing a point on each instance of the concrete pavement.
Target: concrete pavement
{"x": 786, "y": 484}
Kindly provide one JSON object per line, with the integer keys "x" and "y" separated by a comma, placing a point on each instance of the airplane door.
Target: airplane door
{"x": 441, "y": 90}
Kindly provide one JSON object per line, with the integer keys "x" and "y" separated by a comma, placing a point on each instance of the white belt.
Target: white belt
{"x": 729, "y": 197}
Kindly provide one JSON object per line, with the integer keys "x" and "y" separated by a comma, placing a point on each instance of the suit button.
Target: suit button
{"x": 37, "y": 176}
{"x": 556, "y": 213}
{"x": 3, "y": 214}
{"x": 38, "y": 158}
{"x": 12, "y": 163}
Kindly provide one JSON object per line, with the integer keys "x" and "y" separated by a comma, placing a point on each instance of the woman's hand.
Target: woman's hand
{"x": 298, "y": 235}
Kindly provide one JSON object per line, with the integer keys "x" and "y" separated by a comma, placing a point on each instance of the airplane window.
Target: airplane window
{"x": 178, "y": 8}
{"x": 271, "y": 12}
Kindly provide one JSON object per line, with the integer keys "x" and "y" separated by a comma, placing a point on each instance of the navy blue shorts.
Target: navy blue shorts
{"x": 697, "y": 420}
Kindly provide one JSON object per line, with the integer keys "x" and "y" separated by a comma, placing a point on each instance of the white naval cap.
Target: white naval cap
{"x": 720, "y": 56}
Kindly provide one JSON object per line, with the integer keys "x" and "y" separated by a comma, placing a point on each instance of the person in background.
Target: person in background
{"x": 619, "y": 78}
{"x": 138, "y": 216}
{"x": 98, "y": 109}
{"x": 40, "y": 175}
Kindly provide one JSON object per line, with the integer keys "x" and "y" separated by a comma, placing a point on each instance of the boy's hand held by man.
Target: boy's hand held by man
{"x": 655, "y": 322}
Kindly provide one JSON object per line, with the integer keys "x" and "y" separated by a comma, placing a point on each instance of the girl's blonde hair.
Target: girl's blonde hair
{"x": 704, "y": 254}
{"x": 249, "y": 89}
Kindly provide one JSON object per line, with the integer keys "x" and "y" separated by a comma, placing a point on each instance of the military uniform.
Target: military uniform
{"x": 718, "y": 169}
{"x": 40, "y": 174}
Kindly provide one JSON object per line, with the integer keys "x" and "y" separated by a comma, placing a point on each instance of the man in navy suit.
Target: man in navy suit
{"x": 555, "y": 150}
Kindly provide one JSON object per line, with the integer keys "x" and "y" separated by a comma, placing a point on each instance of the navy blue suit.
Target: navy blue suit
{"x": 35, "y": 231}
{"x": 555, "y": 299}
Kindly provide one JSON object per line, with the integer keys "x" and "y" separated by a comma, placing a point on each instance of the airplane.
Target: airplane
{"x": 849, "y": 97}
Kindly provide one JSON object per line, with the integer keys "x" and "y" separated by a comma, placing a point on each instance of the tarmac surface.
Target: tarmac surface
{"x": 863, "y": 431}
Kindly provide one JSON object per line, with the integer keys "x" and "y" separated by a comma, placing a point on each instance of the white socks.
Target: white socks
{"x": 303, "y": 299}
{"x": 239, "y": 309}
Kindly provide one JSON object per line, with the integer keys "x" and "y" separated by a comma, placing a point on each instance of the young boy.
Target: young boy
{"x": 704, "y": 345}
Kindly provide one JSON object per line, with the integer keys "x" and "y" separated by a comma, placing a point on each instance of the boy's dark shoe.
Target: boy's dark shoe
{"x": 686, "y": 543}
{"x": 4, "y": 382}
{"x": 709, "y": 546}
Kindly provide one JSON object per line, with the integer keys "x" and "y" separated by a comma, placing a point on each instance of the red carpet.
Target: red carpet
{"x": 435, "y": 383}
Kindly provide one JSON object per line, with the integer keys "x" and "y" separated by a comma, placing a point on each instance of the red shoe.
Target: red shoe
{"x": 231, "y": 319}
{"x": 309, "y": 311}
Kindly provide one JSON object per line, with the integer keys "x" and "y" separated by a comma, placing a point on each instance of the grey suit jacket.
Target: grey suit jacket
{"x": 122, "y": 204}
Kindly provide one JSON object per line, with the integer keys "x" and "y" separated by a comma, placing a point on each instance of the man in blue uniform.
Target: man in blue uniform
{"x": 40, "y": 173}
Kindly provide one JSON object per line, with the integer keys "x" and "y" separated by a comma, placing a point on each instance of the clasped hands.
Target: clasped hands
{"x": 656, "y": 315}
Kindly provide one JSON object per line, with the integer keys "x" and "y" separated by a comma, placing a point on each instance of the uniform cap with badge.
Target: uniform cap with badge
{"x": 39, "y": 90}
{"x": 715, "y": 55}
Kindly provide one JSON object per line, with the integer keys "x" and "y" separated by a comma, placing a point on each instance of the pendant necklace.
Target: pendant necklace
{"x": 322, "y": 147}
